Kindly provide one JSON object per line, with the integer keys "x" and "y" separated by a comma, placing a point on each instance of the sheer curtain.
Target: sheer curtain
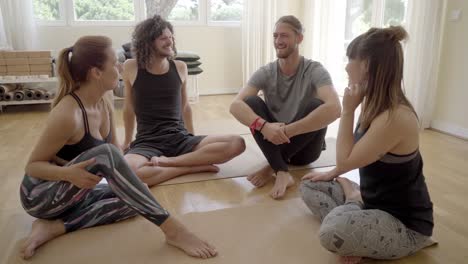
{"x": 424, "y": 26}
{"x": 324, "y": 38}
{"x": 17, "y": 25}
{"x": 258, "y": 21}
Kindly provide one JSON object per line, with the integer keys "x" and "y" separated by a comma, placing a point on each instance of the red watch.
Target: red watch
{"x": 257, "y": 124}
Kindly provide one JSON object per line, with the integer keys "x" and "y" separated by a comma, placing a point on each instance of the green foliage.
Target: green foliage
{"x": 226, "y": 10}
{"x": 87, "y": 9}
{"x": 104, "y": 9}
{"x": 46, "y": 9}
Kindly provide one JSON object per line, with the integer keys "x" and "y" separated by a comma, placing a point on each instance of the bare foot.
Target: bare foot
{"x": 351, "y": 192}
{"x": 42, "y": 231}
{"x": 350, "y": 259}
{"x": 178, "y": 236}
{"x": 282, "y": 182}
{"x": 261, "y": 177}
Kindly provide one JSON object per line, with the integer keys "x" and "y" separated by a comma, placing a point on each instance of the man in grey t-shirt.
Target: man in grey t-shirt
{"x": 300, "y": 102}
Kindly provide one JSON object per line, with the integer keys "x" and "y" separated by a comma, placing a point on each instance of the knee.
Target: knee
{"x": 237, "y": 146}
{"x": 332, "y": 233}
{"x": 254, "y": 101}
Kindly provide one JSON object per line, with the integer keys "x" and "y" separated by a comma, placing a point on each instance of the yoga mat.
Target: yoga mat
{"x": 29, "y": 94}
{"x": 19, "y": 95}
{"x": 274, "y": 232}
{"x": 39, "y": 94}
{"x": 252, "y": 160}
{"x": 6, "y": 88}
{"x": 9, "y": 96}
{"x": 49, "y": 95}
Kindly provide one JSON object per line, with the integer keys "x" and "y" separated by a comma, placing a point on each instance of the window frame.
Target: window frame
{"x": 67, "y": 17}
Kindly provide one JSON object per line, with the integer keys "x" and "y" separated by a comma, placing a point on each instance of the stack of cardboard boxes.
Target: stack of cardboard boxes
{"x": 26, "y": 63}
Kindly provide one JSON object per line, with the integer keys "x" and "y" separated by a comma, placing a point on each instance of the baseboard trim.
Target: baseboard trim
{"x": 450, "y": 128}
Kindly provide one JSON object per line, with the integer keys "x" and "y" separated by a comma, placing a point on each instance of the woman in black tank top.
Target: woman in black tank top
{"x": 78, "y": 148}
{"x": 390, "y": 215}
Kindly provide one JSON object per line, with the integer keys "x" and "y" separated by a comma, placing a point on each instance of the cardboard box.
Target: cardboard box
{"x": 39, "y": 54}
{"x": 35, "y": 61}
{"x": 3, "y": 68}
{"x": 2, "y": 62}
{"x": 17, "y": 73}
{"x": 21, "y": 54}
{"x": 41, "y": 73}
{"x": 1, "y": 54}
{"x": 18, "y": 68}
{"x": 40, "y": 67}
{"x": 9, "y": 54}
{"x": 17, "y": 61}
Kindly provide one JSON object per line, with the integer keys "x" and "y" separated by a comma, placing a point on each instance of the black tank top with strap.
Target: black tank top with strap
{"x": 69, "y": 152}
{"x": 157, "y": 100}
{"x": 396, "y": 184}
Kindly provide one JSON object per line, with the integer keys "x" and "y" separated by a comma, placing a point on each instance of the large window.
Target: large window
{"x": 225, "y": 11}
{"x": 362, "y": 15}
{"x": 185, "y": 10}
{"x": 47, "y": 10}
{"x": 104, "y": 10}
{"x": 127, "y": 12}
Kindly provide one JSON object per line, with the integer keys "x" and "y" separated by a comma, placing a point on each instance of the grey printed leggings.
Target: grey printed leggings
{"x": 123, "y": 197}
{"x": 348, "y": 230}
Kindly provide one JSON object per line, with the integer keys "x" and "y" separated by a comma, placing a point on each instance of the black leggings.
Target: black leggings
{"x": 302, "y": 150}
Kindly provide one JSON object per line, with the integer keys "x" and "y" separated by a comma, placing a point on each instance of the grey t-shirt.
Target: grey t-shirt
{"x": 286, "y": 96}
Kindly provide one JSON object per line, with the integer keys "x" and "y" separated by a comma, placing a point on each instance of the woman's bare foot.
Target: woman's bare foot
{"x": 42, "y": 231}
{"x": 351, "y": 192}
{"x": 350, "y": 259}
{"x": 178, "y": 236}
{"x": 282, "y": 182}
{"x": 261, "y": 177}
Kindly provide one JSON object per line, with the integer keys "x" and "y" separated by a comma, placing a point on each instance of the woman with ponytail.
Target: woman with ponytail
{"x": 78, "y": 148}
{"x": 390, "y": 215}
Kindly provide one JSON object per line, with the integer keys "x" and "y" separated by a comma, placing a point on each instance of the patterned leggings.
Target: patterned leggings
{"x": 348, "y": 230}
{"x": 123, "y": 197}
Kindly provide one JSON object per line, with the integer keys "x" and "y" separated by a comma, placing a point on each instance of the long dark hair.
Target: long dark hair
{"x": 382, "y": 50}
{"x": 143, "y": 39}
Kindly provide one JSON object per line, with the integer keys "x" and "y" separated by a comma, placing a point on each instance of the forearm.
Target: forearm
{"x": 188, "y": 120}
{"x": 242, "y": 112}
{"x": 129, "y": 124}
{"x": 345, "y": 141}
{"x": 46, "y": 171}
{"x": 319, "y": 118}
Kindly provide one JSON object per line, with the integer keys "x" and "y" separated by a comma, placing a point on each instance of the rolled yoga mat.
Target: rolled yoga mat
{"x": 39, "y": 94}
{"x": 49, "y": 95}
{"x": 6, "y": 88}
{"x": 19, "y": 95}
{"x": 9, "y": 96}
{"x": 29, "y": 94}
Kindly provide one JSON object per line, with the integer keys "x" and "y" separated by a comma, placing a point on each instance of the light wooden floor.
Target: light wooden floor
{"x": 446, "y": 170}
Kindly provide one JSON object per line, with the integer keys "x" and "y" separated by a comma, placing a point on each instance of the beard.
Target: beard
{"x": 284, "y": 53}
{"x": 165, "y": 53}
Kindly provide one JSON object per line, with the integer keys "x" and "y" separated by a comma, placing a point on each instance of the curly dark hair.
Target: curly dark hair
{"x": 143, "y": 38}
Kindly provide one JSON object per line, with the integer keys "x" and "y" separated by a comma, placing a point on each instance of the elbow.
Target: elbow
{"x": 233, "y": 107}
{"x": 27, "y": 168}
{"x": 336, "y": 111}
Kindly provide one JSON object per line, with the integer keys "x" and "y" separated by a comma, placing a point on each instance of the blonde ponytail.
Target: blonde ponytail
{"x": 66, "y": 82}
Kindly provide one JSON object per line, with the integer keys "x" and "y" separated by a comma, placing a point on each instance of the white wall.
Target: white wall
{"x": 451, "y": 109}
{"x": 219, "y": 49}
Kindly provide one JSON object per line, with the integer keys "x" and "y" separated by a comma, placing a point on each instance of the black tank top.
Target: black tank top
{"x": 396, "y": 184}
{"x": 69, "y": 152}
{"x": 157, "y": 100}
